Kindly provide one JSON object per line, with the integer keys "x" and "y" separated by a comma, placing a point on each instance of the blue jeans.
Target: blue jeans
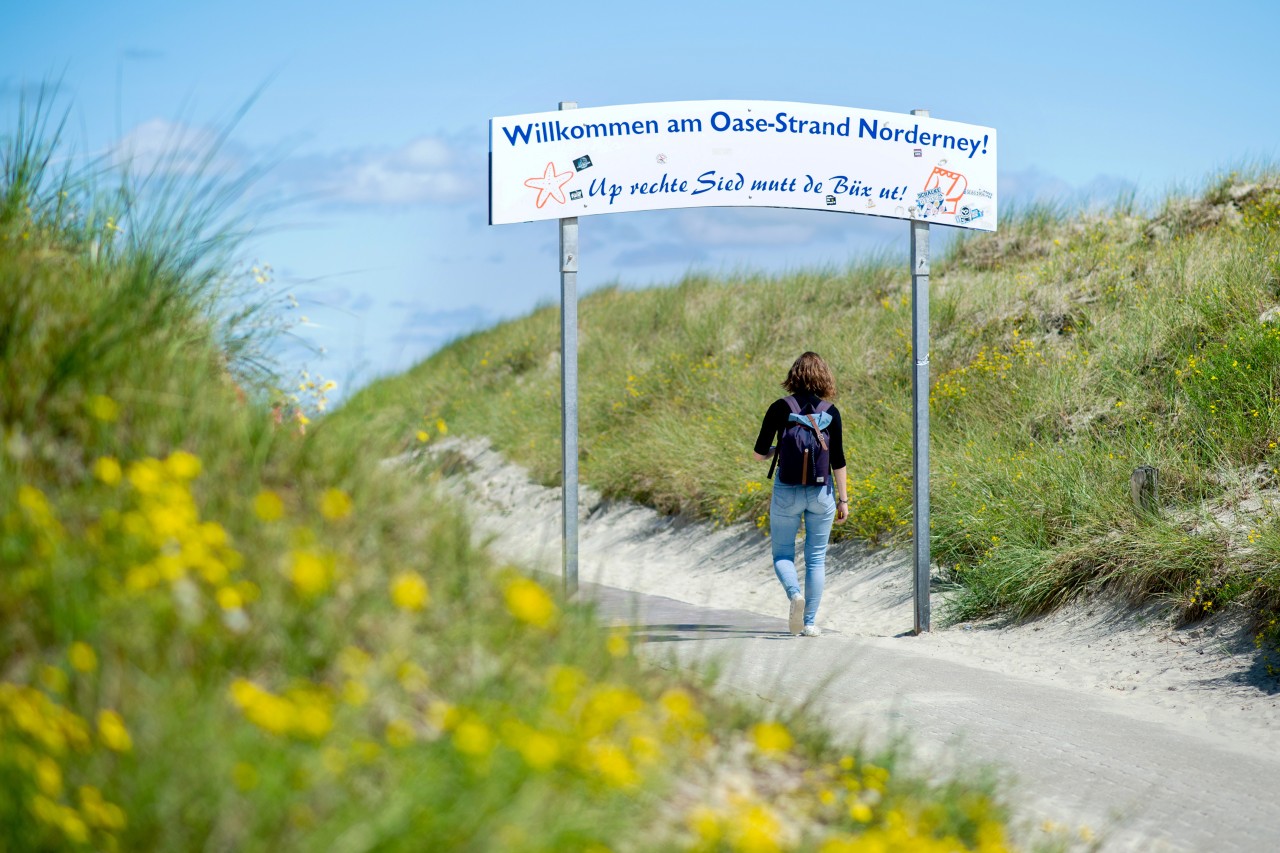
{"x": 817, "y": 504}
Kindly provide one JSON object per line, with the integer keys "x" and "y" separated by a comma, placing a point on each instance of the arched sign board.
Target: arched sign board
{"x": 683, "y": 154}
{"x": 741, "y": 154}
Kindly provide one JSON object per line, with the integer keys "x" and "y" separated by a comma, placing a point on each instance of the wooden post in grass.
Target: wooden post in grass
{"x": 569, "y": 393}
{"x": 1144, "y": 488}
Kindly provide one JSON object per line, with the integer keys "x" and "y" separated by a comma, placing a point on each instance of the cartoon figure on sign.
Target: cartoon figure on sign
{"x": 951, "y": 184}
{"x": 550, "y": 184}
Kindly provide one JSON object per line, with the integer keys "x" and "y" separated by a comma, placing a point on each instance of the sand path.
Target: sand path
{"x": 1164, "y": 738}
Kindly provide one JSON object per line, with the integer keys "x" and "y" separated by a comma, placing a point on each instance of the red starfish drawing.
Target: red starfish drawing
{"x": 551, "y": 184}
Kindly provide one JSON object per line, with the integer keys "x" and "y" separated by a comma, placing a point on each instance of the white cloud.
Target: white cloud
{"x": 429, "y": 169}
{"x": 173, "y": 147}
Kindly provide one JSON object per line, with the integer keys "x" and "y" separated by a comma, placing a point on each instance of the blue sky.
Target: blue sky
{"x": 378, "y": 114}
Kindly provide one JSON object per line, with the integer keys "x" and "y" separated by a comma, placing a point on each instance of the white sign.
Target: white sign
{"x": 741, "y": 154}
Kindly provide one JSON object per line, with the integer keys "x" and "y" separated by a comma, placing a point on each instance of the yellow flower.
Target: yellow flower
{"x": 355, "y": 693}
{"x": 107, "y": 469}
{"x": 607, "y": 706}
{"x": 73, "y": 826}
{"x": 529, "y": 602}
{"x": 423, "y": 436}
{"x": 262, "y": 708}
{"x": 538, "y": 749}
{"x": 183, "y": 465}
{"x": 473, "y": 737}
{"x": 705, "y": 824}
{"x": 565, "y": 683}
{"x": 82, "y": 657}
{"x": 268, "y": 506}
{"x": 412, "y": 677}
{"x": 874, "y": 777}
{"x": 409, "y": 591}
{"x": 399, "y": 733}
{"x": 617, "y": 645}
{"x": 771, "y": 737}
{"x": 147, "y": 476}
{"x": 860, "y": 812}
{"x": 103, "y": 408}
{"x": 335, "y": 504}
{"x": 441, "y": 426}
{"x": 756, "y": 830}
{"x": 49, "y": 776}
{"x": 441, "y": 715}
{"x": 314, "y": 718}
{"x": 677, "y": 702}
{"x": 98, "y": 811}
{"x": 112, "y": 731}
{"x": 34, "y": 501}
{"x": 646, "y": 750}
{"x": 311, "y": 573}
{"x": 612, "y": 765}
{"x": 229, "y": 598}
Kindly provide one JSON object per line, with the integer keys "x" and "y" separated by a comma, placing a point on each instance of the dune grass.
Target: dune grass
{"x": 224, "y": 627}
{"x": 1067, "y": 350}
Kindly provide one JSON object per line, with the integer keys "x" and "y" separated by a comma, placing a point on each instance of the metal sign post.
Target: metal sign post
{"x": 569, "y": 392}
{"x": 920, "y": 412}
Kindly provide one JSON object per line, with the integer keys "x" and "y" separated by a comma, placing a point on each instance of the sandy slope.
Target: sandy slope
{"x": 1205, "y": 675}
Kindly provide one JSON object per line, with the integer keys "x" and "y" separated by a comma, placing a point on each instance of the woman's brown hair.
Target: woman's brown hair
{"x": 810, "y": 375}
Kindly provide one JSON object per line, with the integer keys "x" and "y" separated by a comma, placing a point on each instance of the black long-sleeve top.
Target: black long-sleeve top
{"x": 775, "y": 420}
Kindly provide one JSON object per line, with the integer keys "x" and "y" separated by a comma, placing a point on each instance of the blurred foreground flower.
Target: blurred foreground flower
{"x": 771, "y": 737}
{"x": 335, "y": 504}
{"x": 529, "y": 602}
{"x": 268, "y": 506}
{"x": 409, "y": 591}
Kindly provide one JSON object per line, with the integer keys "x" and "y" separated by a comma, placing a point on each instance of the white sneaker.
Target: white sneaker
{"x": 812, "y": 631}
{"x": 795, "y": 619}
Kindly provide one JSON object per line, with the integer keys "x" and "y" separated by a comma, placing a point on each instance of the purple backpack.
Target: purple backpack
{"x": 803, "y": 457}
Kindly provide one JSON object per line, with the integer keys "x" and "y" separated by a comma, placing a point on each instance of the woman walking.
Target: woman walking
{"x": 810, "y": 483}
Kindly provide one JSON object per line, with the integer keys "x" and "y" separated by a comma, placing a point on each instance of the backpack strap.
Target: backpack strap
{"x": 821, "y": 407}
{"x": 813, "y": 422}
{"x": 795, "y": 408}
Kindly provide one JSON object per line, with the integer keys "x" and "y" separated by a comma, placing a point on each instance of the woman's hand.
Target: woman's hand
{"x": 842, "y": 510}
